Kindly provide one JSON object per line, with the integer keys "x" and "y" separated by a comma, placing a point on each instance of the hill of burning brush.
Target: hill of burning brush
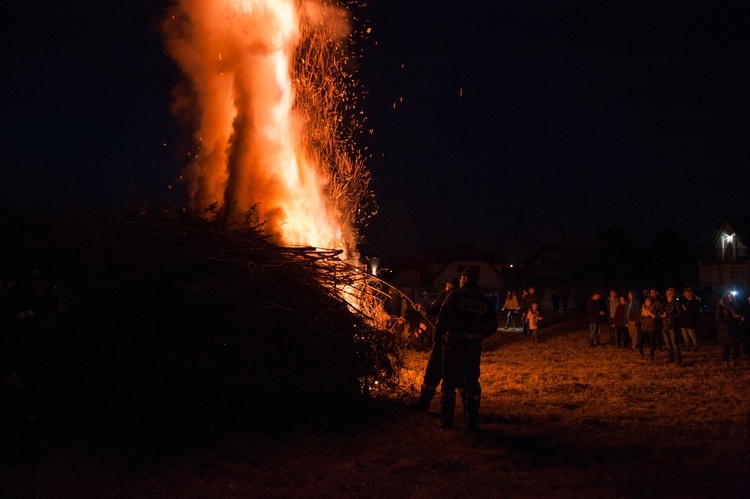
{"x": 167, "y": 305}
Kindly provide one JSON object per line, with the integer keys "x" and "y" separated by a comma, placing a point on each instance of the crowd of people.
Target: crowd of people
{"x": 647, "y": 322}
{"x": 665, "y": 323}
{"x": 628, "y": 321}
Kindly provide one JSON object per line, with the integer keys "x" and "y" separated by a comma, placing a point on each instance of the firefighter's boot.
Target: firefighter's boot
{"x": 447, "y": 406}
{"x": 464, "y": 403}
{"x": 472, "y": 412}
{"x": 425, "y": 397}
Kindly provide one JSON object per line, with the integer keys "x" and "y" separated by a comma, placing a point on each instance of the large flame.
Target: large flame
{"x": 268, "y": 93}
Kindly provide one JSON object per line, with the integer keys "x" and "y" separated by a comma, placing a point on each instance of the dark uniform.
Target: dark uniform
{"x": 433, "y": 373}
{"x": 466, "y": 318}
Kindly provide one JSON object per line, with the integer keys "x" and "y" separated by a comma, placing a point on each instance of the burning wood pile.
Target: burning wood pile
{"x": 170, "y": 300}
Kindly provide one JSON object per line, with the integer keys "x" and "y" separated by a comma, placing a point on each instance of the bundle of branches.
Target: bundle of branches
{"x": 169, "y": 301}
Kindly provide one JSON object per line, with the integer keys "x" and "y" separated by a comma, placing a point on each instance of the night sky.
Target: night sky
{"x": 516, "y": 124}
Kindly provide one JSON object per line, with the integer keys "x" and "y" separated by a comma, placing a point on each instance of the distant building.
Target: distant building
{"x": 730, "y": 267}
{"x": 438, "y": 266}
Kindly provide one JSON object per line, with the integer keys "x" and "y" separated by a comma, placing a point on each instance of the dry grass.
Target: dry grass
{"x": 558, "y": 419}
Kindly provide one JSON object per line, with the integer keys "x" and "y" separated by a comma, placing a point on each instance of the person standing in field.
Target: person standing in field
{"x": 689, "y": 319}
{"x": 433, "y": 373}
{"x": 596, "y": 317}
{"x": 745, "y": 335}
{"x": 658, "y": 302}
{"x": 633, "y": 315}
{"x": 534, "y": 318}
{"x": 612, "y": 302}
{"x": 526, "y": 302}
{"x": 648, "y": 326}
{"x": 466, "y": 318}
{"x": 621, "y": 323}
{"x": 510, "y": 307}
{"x": 555, "y": 298}
{"x": 726, "y": 329}
{"x": 671, "y": 318}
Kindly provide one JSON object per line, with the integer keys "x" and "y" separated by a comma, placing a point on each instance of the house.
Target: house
{"x": 412, "y": 282}
{"x": 436, "y": 267}
{"x": 729, "y": 270}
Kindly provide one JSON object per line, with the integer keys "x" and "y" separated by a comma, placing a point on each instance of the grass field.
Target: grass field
{"x": 558, "y": 419}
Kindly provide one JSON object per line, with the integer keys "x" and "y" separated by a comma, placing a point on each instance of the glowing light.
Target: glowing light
{"x": 374, "y": 265}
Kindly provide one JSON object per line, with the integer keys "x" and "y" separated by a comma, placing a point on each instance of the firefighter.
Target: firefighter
{"x": 433, "y": 373}
{"x": 466, "y": 318}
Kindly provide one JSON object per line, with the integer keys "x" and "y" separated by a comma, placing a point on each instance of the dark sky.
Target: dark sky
{"x": 522, "y": 122}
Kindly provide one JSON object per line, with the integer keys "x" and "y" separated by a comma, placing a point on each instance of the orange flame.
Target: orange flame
{"x": 268, "y": 91}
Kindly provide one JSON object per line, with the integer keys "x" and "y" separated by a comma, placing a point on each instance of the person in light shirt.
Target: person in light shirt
{"x": 510, "y": 307}
{"x": 533, "y": 318}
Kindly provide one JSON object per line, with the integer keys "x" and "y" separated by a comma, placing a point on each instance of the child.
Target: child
{"x": 533, "y": 318}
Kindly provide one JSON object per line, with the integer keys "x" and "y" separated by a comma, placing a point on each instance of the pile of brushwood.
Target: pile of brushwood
{"x": 168, "y": 315}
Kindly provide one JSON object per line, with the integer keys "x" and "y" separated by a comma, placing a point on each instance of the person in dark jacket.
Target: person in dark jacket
{"x": 433, "y": 373}
{"x": 689, "y": 319}
{"x": 611, "y": 307}
{"x": 555, "y": 298}
{"x": 727, "y": 330}
{"x": 671, "y": 324}
{"x": 745, "y": 319}
{"x": 621, "y": 323}
{"x": 658, "y": 303}
{"x": 596, "y": 317}
{"x": 466, "y": 318}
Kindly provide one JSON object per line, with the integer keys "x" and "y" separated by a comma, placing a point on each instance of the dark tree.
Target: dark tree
{"x": 616, "y": 258}
{"x": 673, "y": 261}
